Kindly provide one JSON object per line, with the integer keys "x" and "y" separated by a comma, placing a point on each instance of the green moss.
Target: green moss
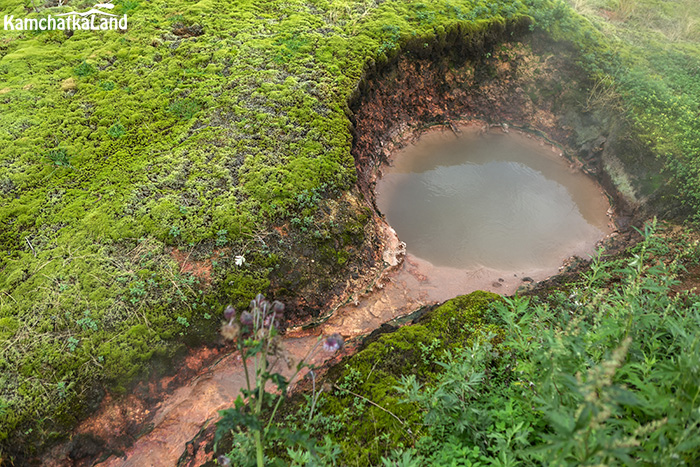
{"x": 116, "y": 148}
{"x": 241, "y": 288}
{"x": 8, "y": 327}
{"x": 369, "y": 432}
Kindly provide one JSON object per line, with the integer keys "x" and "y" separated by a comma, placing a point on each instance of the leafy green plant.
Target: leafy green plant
{"x": 59, "y": 157}
{"x": 428, "y": 351}
{"x": 185, "y": 109}
{"x": 129, "y": 5}
{"x": 87, "y": 322}
{"x": 72, "y": 343}
{"x": 601, "y": 376}
{"x": 221, "y": 237}
{"x": 256, "y": 336}
{"x": 116, "y": 131}
{"x": 107, "y": 85}
{"x": 609, "y": 375}
{"x": 84, "y": 69}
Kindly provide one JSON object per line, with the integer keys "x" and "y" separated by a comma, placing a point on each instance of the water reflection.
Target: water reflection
{"x": 503, "y": 202}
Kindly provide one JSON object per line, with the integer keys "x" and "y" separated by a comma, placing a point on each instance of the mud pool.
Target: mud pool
{"x": 487, "y": 200}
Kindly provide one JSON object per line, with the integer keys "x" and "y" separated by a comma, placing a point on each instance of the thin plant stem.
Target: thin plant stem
{"x": 258, "y": 435}
{"x": 274, "y": 411}
{"x": 259, "y": 449}
{"x": 245, "y": 368}
{"x": 313, "y": 394}
{"x": 408, "y": 430}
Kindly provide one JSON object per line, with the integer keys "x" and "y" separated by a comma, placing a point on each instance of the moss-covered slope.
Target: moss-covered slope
{"x": 198, "y": 128}
{"x": 361, "y": 391}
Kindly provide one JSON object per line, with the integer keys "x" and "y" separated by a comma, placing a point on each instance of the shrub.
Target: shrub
{"x": 609, "y": 375}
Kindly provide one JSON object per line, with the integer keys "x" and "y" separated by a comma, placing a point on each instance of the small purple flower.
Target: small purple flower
{"x": 268, "y": 322}
{"x": 229, "y": 313}
{"x": 247, "y": 318}
{"x": 259, "y": 304}
{"x": 278, "y": 307}
{"x": 333, "y": 343}
{"x": 257, "y": 301}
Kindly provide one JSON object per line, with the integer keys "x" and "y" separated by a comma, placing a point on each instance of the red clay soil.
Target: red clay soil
{"x": 120, "y": 421}
{"x": 200, "y": 269}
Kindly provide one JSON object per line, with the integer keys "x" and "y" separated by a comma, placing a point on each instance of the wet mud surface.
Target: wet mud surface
{"x": 500, "y": 200}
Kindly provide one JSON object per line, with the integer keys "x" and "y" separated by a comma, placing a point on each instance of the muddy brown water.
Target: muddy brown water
{"x": 493, "y": 200}
{"x": 457, "y": 209}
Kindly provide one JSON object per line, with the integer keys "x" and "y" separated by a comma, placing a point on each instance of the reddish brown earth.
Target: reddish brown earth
{"x": 201, "y": 269}
{"x": 122, "y": 420}
{"x": 511, "y": 86}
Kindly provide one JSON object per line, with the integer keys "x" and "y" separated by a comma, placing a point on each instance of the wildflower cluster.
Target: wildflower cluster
{"x": 261, "y": 322}
{"x": 256, "y": 334}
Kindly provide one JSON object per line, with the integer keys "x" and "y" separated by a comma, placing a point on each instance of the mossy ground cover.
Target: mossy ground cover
{"x": 369, "y": 432}
{"x": 360, "y": 407}
{"x": 197, "y": 128}
{"x": 595, "y": 374}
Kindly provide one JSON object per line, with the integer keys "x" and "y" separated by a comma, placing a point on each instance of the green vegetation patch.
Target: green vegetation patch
{"x": 607, "y": 373}
{"x": 121, "y": 150}
{"x": 643, "y": 58}
{"x": 370, "y": 377}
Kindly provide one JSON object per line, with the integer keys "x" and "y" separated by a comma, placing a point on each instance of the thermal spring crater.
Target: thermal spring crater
{"x": 486, "y": 210}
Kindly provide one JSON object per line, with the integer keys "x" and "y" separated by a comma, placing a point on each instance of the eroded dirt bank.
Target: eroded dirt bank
{"x": 531, "y": 84}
